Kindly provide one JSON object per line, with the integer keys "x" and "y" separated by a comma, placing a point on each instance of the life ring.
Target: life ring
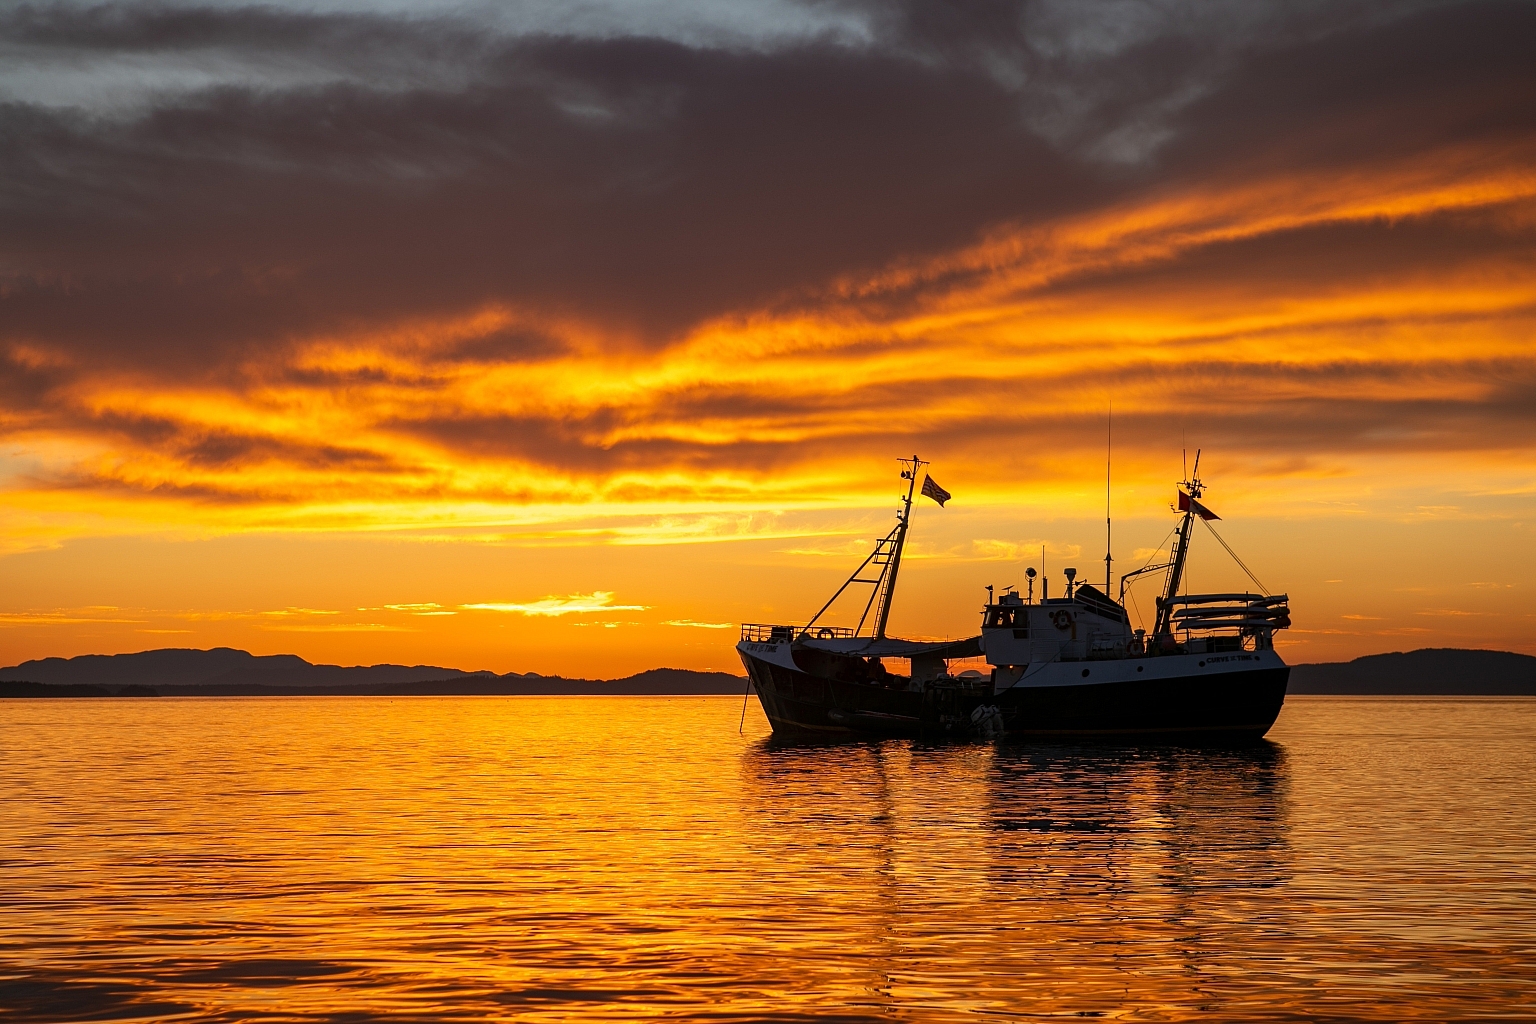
{"x": 824, "y": 633}
{"x": 1062, "y": 619}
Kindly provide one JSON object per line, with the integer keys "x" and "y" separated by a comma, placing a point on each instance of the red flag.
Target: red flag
{"x": 934, "y": 491}
{"x": 1186, "y": 503}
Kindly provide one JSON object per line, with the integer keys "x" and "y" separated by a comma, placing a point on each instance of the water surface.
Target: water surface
{"x": 546, "y": 858}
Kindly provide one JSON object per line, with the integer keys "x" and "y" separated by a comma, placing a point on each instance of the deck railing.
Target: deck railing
{"x": 762, "y": 632}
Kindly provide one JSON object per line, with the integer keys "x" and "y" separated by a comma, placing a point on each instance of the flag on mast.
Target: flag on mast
{"x": 1186, "y": 503}
{"x": 931, "y": 489}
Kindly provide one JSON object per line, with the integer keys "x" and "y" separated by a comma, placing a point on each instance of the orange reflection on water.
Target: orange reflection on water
{"x": 623, "y": 858}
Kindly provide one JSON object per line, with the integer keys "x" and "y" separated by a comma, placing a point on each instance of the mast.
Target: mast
{"x": 904, "y": 518}
{"x": 1176, "y": 573}
{"x": 1109, "y": 448}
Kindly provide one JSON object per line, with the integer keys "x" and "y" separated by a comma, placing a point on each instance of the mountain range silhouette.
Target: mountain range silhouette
{"x": 225, "y": 671}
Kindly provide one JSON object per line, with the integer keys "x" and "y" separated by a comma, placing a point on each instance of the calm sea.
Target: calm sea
{"x": 570, "y": 859}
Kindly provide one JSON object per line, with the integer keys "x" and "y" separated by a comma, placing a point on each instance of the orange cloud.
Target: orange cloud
{"x": 1000, "y": 350}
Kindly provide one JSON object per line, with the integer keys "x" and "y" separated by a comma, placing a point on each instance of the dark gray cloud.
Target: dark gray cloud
{"x": 634, "y": 180}
{"x": 641, "y": 179}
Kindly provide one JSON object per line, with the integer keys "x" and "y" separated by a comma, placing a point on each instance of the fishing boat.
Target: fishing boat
{"x": 1064, "y": 667}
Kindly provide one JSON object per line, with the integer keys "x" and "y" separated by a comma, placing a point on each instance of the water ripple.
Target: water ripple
{"x": 575, "y": 859}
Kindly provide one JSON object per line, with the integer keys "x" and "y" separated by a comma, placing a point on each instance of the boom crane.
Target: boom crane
{"x": 887, "y": 557}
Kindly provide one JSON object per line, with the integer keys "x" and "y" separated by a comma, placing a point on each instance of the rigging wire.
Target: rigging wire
{"x": 1131, "y": 590}
{"x": 1262, "y": 588}
{"x": 1159, "y": 549}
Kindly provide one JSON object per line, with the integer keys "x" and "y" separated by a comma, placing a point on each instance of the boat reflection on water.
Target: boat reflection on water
{"x": 1179, "y": 799}
{"x": 1215, "y": 819}
{"x": 1038, "y": 879}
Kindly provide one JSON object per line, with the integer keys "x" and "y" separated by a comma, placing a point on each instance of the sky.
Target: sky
{"x": 567, "y": 337}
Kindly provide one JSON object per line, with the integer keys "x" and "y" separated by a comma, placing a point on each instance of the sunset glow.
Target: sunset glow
{"x": 376, "y": 398}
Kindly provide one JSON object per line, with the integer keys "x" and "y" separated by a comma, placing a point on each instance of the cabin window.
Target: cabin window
{"x": 997, "y": 616}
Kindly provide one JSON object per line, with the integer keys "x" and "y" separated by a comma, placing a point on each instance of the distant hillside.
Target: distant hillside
{"x": 222, "y": 665}
{"x": 1443, "y": 670}
{"x": 654, "y": 682}
{"x": 226, "y": 672}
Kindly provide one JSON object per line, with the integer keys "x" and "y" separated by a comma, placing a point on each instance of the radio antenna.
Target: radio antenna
{"x": 1109, "y": 448}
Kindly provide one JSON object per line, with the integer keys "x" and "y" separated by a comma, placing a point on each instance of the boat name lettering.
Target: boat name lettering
{"x": 1231, "y": 657}
{"x": 763, "y": 647}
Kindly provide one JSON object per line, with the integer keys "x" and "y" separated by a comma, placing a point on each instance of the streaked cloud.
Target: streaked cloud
{"x": 598, "y": 601}
{"x": 425, "y": 608}
{"x": 65, "y": 617}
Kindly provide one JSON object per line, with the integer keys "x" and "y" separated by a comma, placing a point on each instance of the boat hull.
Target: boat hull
{"x": 1239, "y": 703}
{"x": 1231, "y": 707}
{"x": 800, "y": 703}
